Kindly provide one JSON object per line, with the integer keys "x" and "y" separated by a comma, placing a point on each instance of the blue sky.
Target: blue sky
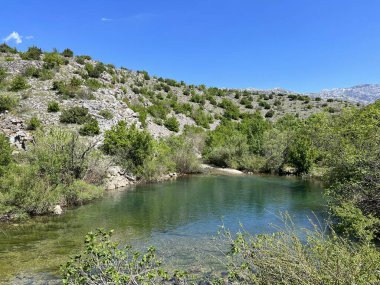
{"x": 301, "y": 45}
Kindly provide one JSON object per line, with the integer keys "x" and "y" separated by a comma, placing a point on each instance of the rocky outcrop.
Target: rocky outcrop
{"x": 15, "y": 129}
{"x": 118, "y": 178}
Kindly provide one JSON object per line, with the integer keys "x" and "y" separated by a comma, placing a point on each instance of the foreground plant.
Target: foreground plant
{"x": 308, "y": 257}
{"x": 103, "y": 262}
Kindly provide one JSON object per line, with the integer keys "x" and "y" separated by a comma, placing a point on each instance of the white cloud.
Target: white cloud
{"x": 29, "y": 37}
{"x": 15, "y": 37}
{"x": 106, "y": 19}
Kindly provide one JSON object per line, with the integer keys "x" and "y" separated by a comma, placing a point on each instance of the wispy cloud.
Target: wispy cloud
{"x": 132, "y": 18}
{"x": 17, "y": 38}
{"x": 14, "y": 36}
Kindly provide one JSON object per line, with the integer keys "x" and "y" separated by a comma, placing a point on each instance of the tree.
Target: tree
{"x": 130, "y": 146}
{"x": 67, "y": 53}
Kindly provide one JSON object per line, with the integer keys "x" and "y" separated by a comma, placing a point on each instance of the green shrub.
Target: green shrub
{"x": 93, "y": 84}
{"x": 7, "y": 102}
{"x": 130, "y": 146}
{"x": 201, "y": 118}
{"x": 41, "y": 73}
{"x": 7, "y": 49}
{"x": 172, "y": 124}
{"x": 231, "y": 111}
{"x": 291, "y": 257}
{"x": 183, "y": 153}
{"x": 3, "y": 74}
{"x": 52, "y": 60}
{"x": 53, "y": 107}
{"x": 5, "y": 152}
{"x": 67, "y": 53}
{"x": 90, "y": 128}
{"x": 95, "y": 71}
{"x": 269, "y": 114}
{"x": 18, "y": 83}
{"x": 105, "y": 260}
{"x": 75, "y": 115}
{"x": 49, "y": 175}
{"x": 198, "y": 99}
{"x": 33, "y": 124}
{"x": 33, "y": 53}
{"x": 106, "y": 114}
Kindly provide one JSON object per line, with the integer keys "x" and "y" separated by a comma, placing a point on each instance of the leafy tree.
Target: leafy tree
{"x": 5, "y": 152}
{"x": 130, "y": 146}
{"x": 68, "y": 53}
{"x": 33, "y": 53}
{"x": 231, "y": 111}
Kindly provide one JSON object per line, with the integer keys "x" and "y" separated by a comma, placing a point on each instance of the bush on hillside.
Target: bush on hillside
{"x": 7, "y": 102}
{"x": 172, "y": 124}
{"x": 33, "y": 53}
{"x": 18, "y": 83}
{"x": 67, "y": 53}
{"x": 34, "y": 123}
{"x": 53, "y": 107}
{"x": 75, "y": 115}
{"x": 130, "y": 146}
{"x": 90, "y": 128}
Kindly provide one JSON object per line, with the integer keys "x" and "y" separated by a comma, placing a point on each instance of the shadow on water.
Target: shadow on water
{"x": 178, "y": 217}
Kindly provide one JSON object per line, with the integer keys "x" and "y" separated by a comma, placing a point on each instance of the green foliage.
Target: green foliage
{"x": 106, "y": 114}
{"x": 33, "y": 53}
{"x": 130, "y": 146}
{"x": 225, "y": 146}
{"x": 18, "y": 83}
{"x": 198, "y": 99}
{"x": 301, "y": 153}
{"x": 143, "y": 113}
{"x": 7, "y": 49}
{"x": 201, "y": 118}
{"x": 5, "y": 153}
{"x": 8, "y": 102}
{"x": 48, "y": 175}
{"x": 52, "y": 60}
{"x": 104, "y": 262}
{"x": 93, "y": 84}
{"x": 269, "y": 114}
{"x": 183, "y": 153}
{"x": 353, "y": 223}
{"x": 158, "y": 110}
{"x": 172, "y": 124}
{"x": 34, "y": 123}
{"x": 67, "y": 53}
{"x": 41, "y": 73}
{"x": 90, "y": 128}
{"x": 231, "y": 111}
{"x": 95, "y": 71}
{"x": 53, "y": 107}
{"x": 3, "y": 74}
{"x": 285, "y": 258}
{"x": 75, "y": 115}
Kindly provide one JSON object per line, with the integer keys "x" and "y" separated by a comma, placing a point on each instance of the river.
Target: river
{"x": 180, "y": 218}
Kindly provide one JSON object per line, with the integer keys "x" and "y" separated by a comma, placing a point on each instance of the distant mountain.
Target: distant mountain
{"x": 364, "y": 94}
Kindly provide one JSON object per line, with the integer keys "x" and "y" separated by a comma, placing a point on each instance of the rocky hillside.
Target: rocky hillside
{"x": 363, "y": 94}
{"x": 38, "y": 88}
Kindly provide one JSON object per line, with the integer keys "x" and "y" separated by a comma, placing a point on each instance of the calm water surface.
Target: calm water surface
{"x": 179, "y": 218}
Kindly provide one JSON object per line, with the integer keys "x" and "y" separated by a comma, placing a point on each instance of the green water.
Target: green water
{"x": 179, "y": 218}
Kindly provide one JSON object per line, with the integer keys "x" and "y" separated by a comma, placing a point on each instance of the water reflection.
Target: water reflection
{"x": 179, "y": 217}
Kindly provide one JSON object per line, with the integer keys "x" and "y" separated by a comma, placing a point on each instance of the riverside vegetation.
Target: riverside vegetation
{"x": 158, "y": 126}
